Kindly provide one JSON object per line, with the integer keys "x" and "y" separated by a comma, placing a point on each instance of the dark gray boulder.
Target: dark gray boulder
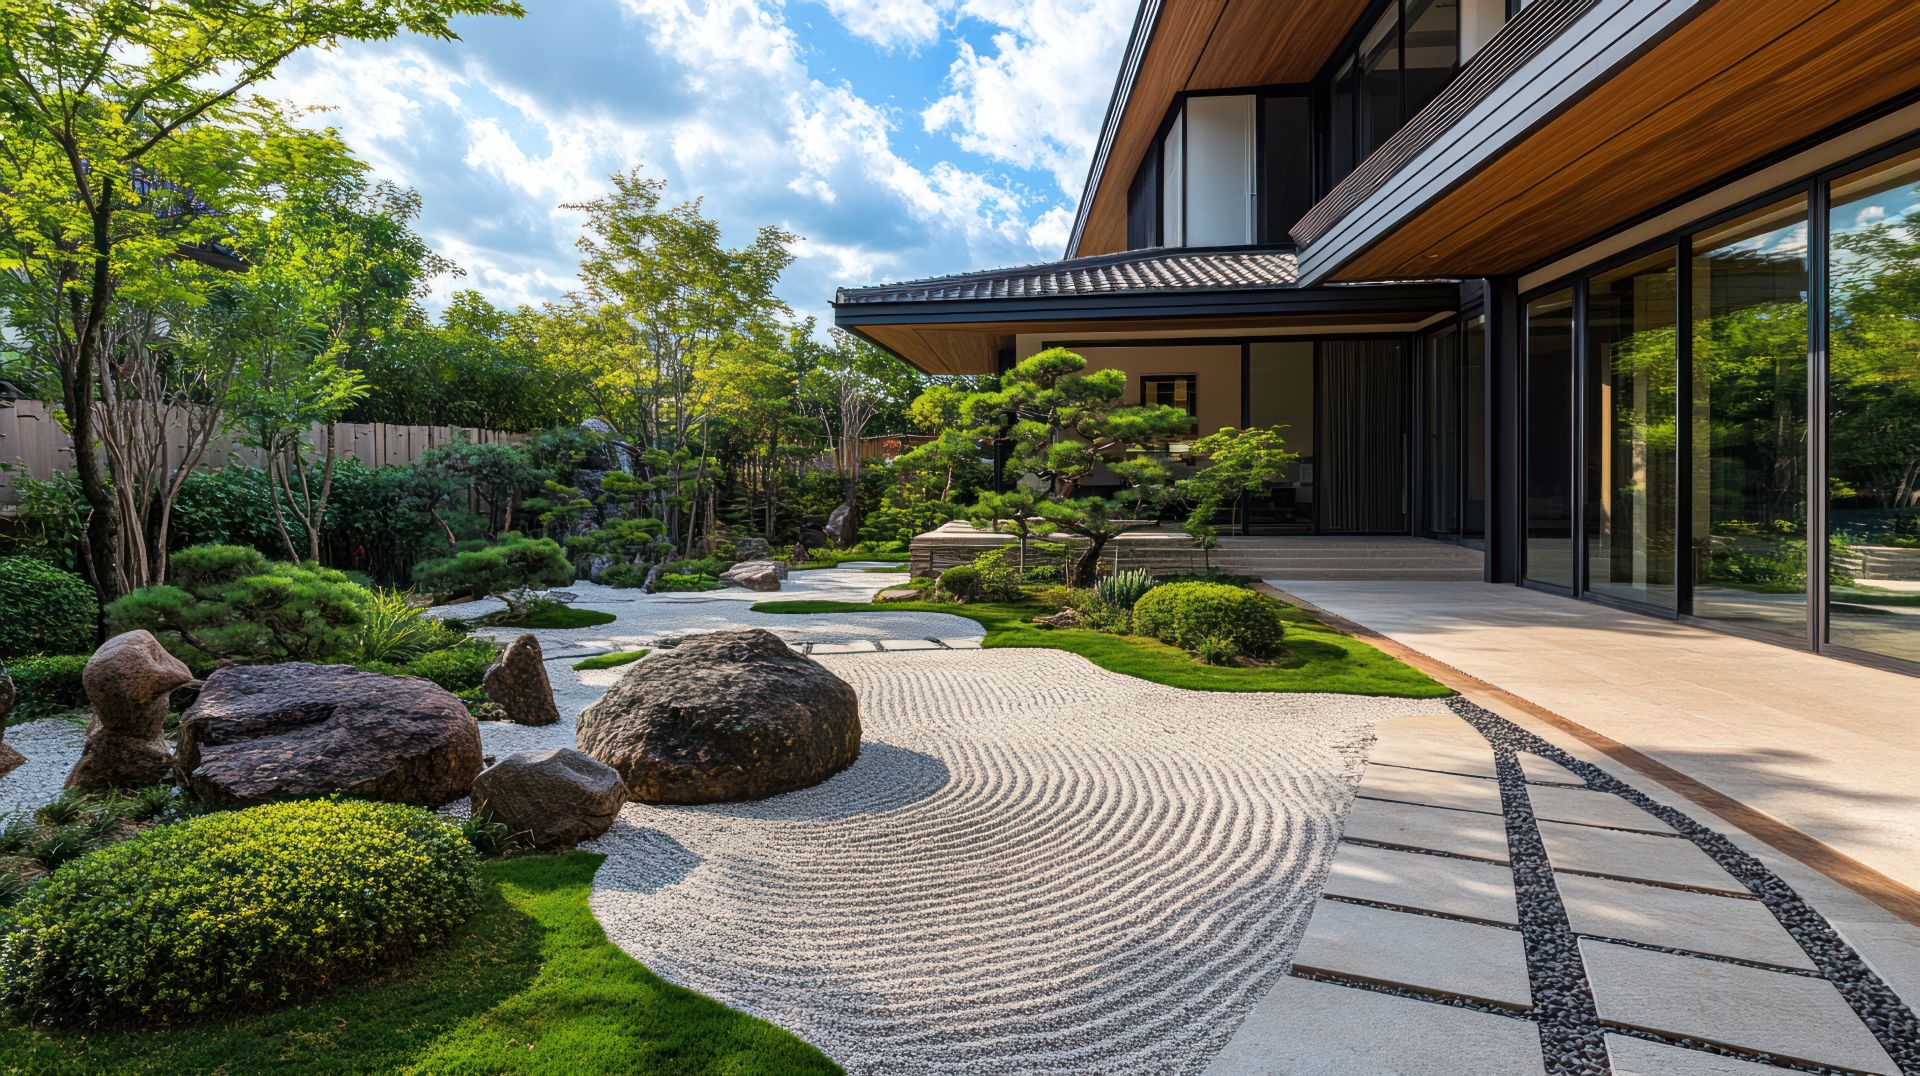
{"x": 554, "y": 798}
{"x": 518, "y": 683}
{"x": 731, "y": 715}
{"x": 268, "y": 732}
{"x": 128, "y": 681}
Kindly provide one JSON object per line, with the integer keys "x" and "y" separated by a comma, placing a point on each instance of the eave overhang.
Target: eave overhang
{"x": 1182, "y": 46}
{"x": 1582, "y": 117}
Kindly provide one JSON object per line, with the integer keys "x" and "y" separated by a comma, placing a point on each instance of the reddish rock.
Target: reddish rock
{"x": 128, "y": 681}
{"x": 554, "y": 798}
{"x": 269, "y": 732}
{"x": 518, "y": 683}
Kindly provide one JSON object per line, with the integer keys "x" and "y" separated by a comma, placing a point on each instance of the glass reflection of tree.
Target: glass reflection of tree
{"x": 1873, "y": 399}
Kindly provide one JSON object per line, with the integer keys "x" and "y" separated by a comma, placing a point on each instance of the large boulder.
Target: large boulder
{"x": 751, "y": 548}
{"x": 518, "y": 682}
{"x": 269, "y": 732}
{"x": 731, "y": 715}
{"x": 754, "y": 575}
{"x": 555, "y": 797}
{"x": 840, "y": 524}
{"x": 128, "y": 681}
{"x": 9, "y": 758}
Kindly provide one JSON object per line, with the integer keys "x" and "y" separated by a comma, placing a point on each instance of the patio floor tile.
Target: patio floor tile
{"x": 1701, "y": 922}
{"x": 1460, "y": 832}
{"x": 1419, "y": 951}
{"x": 1634, "y": 855}
{"x": 1426, "y": 786}
{"x": 1462, "y": 887}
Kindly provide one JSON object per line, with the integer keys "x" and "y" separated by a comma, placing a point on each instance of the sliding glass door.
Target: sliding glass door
{"x": 1548, "y": 451}
{"x": 1749, "y": 423}
{"x": 1873, "y": 409}
{"x": 1632, "y": 466}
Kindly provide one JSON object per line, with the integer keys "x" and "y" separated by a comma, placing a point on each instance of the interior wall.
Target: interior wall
{"x": 1219, "y": 162}
{"x": 1215, "y": 369}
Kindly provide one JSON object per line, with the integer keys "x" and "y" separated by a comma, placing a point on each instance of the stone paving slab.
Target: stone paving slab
{"x": 908, "y": 644}
{"x": 1418, "y": 951}
{"x": 1700, "y": 922}
{"x": 962, "y": 644}
{"x": 1463, "y": 887}
{"x": 1539, "y": 769}
{"x": 1433, "y": 742}
{"x": 1800, "y": 1017}
{"x": 852, "y": 646}
{"x": 1463, "y": 833}
{"x": 1634, "y": 855}
{"x": 1591, "y": 808}
{"x": 1638, "y": 1057}
{"x": 1305, "y": 1028}
{"x": 1429, "y": 787}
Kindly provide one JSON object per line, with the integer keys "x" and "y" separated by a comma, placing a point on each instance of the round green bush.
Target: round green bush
{"x": 961, "y": 582}
{"x": 48, "y": 611}
{"x": 1186, "y": 614}
{"x": 235, "y": 910}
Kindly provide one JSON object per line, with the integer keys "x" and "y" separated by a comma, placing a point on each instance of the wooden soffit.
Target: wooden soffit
{"x": 1202, "y": 45}
{"x": 1736, "y": 85}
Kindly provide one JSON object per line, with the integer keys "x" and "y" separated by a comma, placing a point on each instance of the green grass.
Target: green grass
{"x": 901, "y": 567}
{"x": 560, "y": 616}
{"x": 530, "y": 985}
{"x": 1319, "y": 659}
{"x": 833, "y": 558}
{"x": 610, "y": 661}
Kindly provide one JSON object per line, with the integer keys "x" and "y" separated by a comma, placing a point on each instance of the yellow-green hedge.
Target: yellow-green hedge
{"x": 240, "y": 909}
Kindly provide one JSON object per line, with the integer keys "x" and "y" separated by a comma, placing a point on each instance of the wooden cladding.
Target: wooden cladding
{"x": 1203, "y": 45}
{"x": 1736, "y": 84}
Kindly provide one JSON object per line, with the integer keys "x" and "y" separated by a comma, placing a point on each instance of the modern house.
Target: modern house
{"x": 1623, "y": 293}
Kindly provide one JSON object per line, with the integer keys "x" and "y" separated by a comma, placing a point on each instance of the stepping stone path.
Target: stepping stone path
{"x": 1498, "y": 906}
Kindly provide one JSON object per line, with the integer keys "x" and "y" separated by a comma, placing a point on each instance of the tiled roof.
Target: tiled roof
{"x": 1162, "y": 269}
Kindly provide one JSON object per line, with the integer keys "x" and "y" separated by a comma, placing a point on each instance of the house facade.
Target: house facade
{"x": 1625, "y": 294}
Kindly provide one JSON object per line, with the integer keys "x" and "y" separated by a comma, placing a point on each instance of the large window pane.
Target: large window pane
{"x": 1433, "y": 49}
{"x": 1380, "y": 82}
{"x": 1549, "y": 442}
{"x": 1286, "y": 163}
{"x": 1750, "y": 421}
{"x": 1442, "y": 391}
{"x": 1632, "y": 465}
{"x": 1344, "y": 118}
{"x": 1473, "y": 391}
{"x": 1280, "y": 395}
{"x": 1873, "y": 409}
{"x": 1220, "y": 170}
{"x": 1173, "y": 184}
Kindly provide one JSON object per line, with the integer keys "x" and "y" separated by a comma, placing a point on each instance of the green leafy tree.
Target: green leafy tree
{"x": 514, "y": 570}
{"x": 1240, "y": 463}
{"x": 130, "y": 135}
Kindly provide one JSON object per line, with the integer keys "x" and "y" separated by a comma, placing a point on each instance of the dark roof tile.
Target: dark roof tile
{"x": 1158, "y": 269}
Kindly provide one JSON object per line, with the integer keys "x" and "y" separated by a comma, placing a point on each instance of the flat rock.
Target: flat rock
{"x": 1677, "y": 919}
{"x": 1310, "y": 1028}
{"x": 1428, "y": 787}
{"x": 1464, "y": 833}
{"x": 518, "y": 684}
{"x": 555, "y": 798}
{"x": 128, "y": 682}
{"x": 1642, "y": 856}
{"x": 268, "y": 732}
{"x": 754, "y": 575}
{"x": 1801, "y": 1018}
{"x": 1463, "y": 887}
{"x": 1418, "y": 951}
{"x": 729, "y": 715}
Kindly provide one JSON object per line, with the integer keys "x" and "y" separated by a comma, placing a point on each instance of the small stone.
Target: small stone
{"x": 1065, "y": 618}
{"x": 128, "y": 680}
{"x": 518, "y": 684}
{"x": 555, "y": 797}
{"x": 900, "y": 594}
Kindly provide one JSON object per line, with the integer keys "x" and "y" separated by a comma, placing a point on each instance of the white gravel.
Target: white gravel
{"x": 52, "y": 746}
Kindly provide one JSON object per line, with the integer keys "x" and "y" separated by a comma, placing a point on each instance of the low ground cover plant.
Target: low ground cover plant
{"x": 235, "y": 910}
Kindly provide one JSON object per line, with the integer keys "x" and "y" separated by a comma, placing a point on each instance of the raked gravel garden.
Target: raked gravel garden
{"x": 1034, "y": 864}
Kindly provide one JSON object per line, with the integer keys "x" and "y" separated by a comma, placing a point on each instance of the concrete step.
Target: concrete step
{"x": 1347, "y": 562}
{"x": 1363, "y": 575}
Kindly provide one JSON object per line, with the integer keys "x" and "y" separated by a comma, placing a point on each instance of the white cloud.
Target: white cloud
{"x": 1036, "y": 99}
{"x": 892, "y": 24}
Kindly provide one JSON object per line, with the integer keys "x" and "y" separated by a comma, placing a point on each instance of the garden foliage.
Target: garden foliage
{"x": 230, "y": 602}
{"x": 513, "y": 569}
{"x": 43, "y": 609}
{"x": 1207, "y": 617}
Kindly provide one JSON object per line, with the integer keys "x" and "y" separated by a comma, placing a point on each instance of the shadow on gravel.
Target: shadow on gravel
{"x": 884, "y": 778}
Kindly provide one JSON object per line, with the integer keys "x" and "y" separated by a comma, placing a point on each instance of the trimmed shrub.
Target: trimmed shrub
{"x": 1186, "y": 614}
{"x": 960, "y": 582}
{"x": 511, "y": 570}
{"x": 239, "y": 909}
{"x": 47, "y": 610}
{"x": 677, "y": 582}
{"x": 228, "y": 601}
{"x": 47, "y": 682}
{"x": 623, "y": 576}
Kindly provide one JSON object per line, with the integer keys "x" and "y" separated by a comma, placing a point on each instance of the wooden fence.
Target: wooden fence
{"x": 32, "y": 440}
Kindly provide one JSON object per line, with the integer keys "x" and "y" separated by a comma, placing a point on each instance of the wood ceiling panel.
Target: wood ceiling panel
{"x": 1737, "y": 84}
{"x": 1208, "y": 45}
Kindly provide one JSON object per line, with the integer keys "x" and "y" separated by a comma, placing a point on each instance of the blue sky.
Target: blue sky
{"x": 900, "y": 138}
